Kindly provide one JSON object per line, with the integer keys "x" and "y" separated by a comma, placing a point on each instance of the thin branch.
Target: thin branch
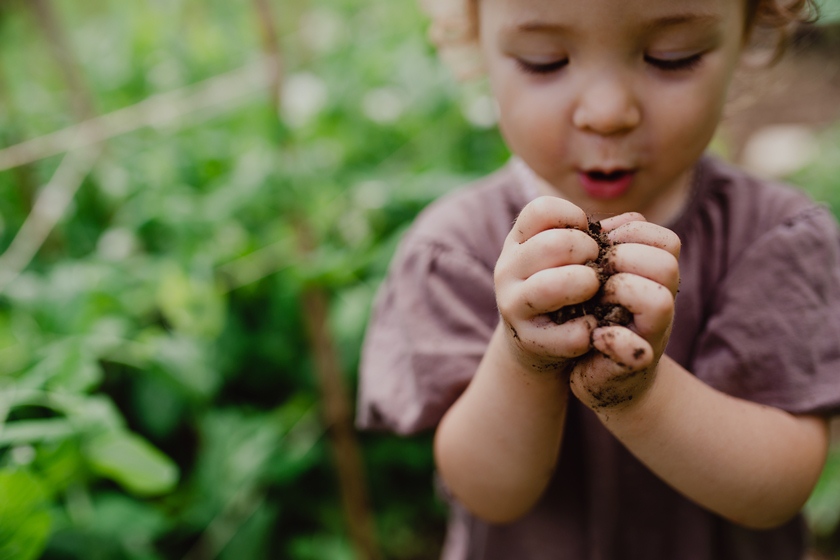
{"x": 338, "y": 416}
{"x": 336, "y": 407}
{"x": 218, "y": 93}
{"x": 81, "y": 97}
{"x": 254, "y": 266}
{"x": 25, "y": 179}
{"x": 56, "y": 196}
{"x": 249, "y": 497}
{"x": 273, "y": 54}
{"x": 48, "y": 209}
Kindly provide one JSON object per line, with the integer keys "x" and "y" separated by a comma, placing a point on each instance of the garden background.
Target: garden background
{"x": 198, "y": 199}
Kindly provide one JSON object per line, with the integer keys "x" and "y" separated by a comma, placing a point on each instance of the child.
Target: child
{"x": 582, "y": 409}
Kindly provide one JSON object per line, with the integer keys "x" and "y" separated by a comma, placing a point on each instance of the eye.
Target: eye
{"x": 675, "y": 65}
{"x": 541, "y": 68}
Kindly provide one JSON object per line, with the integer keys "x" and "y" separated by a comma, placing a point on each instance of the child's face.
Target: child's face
{"x": 612, "y": 101}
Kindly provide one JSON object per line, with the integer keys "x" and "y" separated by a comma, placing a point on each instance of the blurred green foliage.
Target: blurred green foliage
{"x": 157, "y": 391}
{"x": 829, "y": 11}
{"x": 157, "y": 398}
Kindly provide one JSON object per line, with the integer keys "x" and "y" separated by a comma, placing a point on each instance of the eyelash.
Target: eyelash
{"x": 680, "y": 64}
{"x": 541, "y": 69}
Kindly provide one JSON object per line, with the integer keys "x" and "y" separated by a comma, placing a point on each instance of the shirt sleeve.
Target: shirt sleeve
{"x": 773, "y": 336}
{"x": 431, "y": 324}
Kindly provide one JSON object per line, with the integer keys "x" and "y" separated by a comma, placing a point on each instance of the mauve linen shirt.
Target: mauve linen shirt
{"x": 757, "y": 317}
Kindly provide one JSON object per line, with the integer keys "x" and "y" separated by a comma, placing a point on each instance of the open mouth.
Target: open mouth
{"x": 606, "y": 184}
{"x": 607, "y": 177}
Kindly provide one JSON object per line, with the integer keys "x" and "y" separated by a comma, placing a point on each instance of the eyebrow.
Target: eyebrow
{"x": 682, "y": 19}
{"x": 541, "y": 27}
{"x": 706, "y": 19}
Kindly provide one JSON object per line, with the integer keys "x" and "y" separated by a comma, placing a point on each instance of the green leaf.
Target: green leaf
{"x": 186, "y": 361}
{"x": 253, "y": 537}
{"x": 24, "y": 519}
{"x": 134, "y": 523}
{"x": 158, "y": 404}
{"x": 92, "y": 413}
{"x": 315, "y": 547}
{"x": 823, "y": 507}
{"x": 132, "y": 462}
{"x": 193, "y": 306}
{"x": 829, "y": 11}
{"x": 59, "y": 465}
{"x": 30, "y": 431}
{"x": 67, "y": 367}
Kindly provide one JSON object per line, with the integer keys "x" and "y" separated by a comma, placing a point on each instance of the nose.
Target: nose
{"x": 607, "y": 105}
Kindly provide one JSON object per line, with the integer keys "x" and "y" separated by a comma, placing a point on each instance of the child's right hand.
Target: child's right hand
{"x": 542, "y": 268}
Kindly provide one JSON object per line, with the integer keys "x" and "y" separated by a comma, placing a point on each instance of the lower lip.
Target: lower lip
{"x": 606, "y": 189}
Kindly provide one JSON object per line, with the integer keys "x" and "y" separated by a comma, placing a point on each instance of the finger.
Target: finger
{"x": 553, "y": 248}
{"x": 626, "y": 349}
{"x": 550, "y": 289}
{"x": 645, "y": 261}
{"x": 569, "y": 340}
{"x": 547, "y": 212}
{"x": 647, "y": 233}
{"x": 651, "y": 304}
{"x": 614, "y": 222}
{"x": 616, "y": 373}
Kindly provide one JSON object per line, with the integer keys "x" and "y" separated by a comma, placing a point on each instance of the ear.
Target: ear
{"x": 465, "y": 61}
{"x": 454, "y": 31}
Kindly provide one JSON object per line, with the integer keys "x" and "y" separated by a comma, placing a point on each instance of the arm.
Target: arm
{"x": 497, "y": 446}
{"x": 753, "y": 464}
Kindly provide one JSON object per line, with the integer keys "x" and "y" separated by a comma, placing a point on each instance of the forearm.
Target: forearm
{"x": 752, "y": 464}
{"x": 497, "y": 446}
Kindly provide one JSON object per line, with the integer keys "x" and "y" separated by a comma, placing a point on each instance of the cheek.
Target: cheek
{"x": 690, "y": 116}
{"x": 536, "y": 138}
{"x": 532, "y": 121}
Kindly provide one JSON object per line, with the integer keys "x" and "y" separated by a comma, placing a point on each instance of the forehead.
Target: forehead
{"x": 606, "y": 15}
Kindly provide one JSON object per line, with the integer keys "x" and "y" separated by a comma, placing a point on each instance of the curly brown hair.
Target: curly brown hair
{"x": 774, "y": 14}
{"x": 779, "y": 19}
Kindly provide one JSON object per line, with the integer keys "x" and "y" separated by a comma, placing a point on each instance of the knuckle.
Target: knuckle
{"x": 506, "y": 306}
{"x": 580, "y": 246}
{"x": 501, "y": 273}
{"x": 534, "y": 293}
{"x": 672, "y": 273}
{"x": 553, "y": 211}
{"x": 661, "y": 301}
{"x": 507, "y": 264}
{"x": 538, "y": 208}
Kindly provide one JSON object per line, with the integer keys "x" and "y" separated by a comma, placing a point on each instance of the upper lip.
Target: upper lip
{"x": 608, "y": 169}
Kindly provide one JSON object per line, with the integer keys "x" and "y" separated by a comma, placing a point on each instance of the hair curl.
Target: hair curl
{"x": 454, "y": 28}
{"x": 777, "y": 15}
{"x": 777, "y": 20}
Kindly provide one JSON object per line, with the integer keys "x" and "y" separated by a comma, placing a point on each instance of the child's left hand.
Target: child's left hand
{"x": 645, "y": 280}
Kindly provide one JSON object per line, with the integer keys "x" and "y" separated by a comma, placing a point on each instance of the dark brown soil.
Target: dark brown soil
{"x": 606, "y": 313}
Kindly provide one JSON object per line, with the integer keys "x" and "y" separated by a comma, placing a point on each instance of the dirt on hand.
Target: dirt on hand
{"x": 606, "y": 313}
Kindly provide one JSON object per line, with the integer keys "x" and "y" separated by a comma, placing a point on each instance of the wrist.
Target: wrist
{"x": 636, "y": 415}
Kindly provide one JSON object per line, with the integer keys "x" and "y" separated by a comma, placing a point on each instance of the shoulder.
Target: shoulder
{"x": 733, "y": 210}
{"x": 761, "y": 202}
{"x": 435, "y": 312}
{"x": 474, "y": 219}
{"x": 761, "y": 306}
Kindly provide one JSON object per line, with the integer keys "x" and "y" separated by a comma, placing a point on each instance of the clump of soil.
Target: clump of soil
{"x": 606, "y": 313}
